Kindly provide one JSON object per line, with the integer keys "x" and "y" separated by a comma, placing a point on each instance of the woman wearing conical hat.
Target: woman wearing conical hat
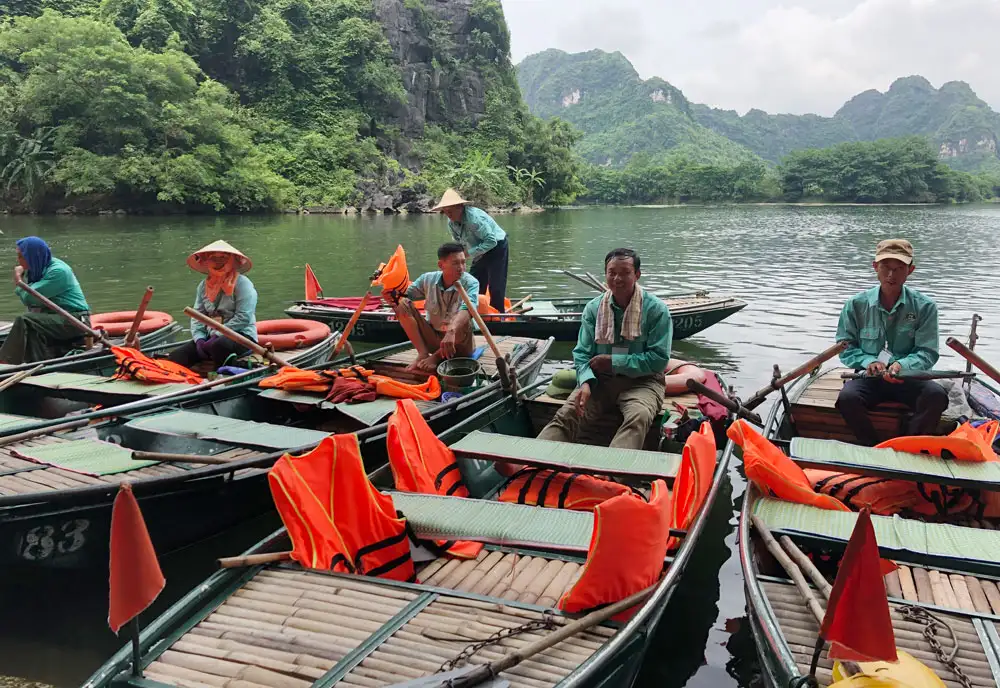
{"x": 225, "y": 295}
{"x": 484, "y": 241}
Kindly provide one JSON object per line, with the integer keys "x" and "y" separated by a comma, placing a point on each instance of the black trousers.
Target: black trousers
{"x": 220, "y": 349}
{"x": 926, "y": 398}
{"x": 491, "y": 271}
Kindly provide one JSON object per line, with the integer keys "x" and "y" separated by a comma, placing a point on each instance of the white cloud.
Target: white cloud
{"x": 793, "y": 56}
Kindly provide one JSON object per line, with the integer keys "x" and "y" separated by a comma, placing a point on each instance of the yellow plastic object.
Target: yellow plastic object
{"x": 908, "y": 672}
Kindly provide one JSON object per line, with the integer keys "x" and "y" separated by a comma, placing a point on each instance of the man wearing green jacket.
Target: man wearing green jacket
{"x": 890, "y": 329}
{"x": 620, "y": 357}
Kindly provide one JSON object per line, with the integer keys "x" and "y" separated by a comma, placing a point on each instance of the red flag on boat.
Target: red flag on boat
{"x": 313, "y": 288}
{"x": 857, "y": 623}
{"x": 136, "y": 579}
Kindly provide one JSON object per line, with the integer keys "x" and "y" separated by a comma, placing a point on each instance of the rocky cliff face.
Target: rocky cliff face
{"x": 431, "y": 42}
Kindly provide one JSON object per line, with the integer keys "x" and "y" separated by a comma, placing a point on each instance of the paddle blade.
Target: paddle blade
{"x": 136, "y": 579}
{"x": 857, "y": 623}
{"x": 313, "y": 288}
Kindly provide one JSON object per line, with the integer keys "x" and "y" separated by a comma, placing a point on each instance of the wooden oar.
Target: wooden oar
{"x": 132, "y": 337}
{"x": 520, "y": 303}
{"x": 485, "y": 672}
{"x": 914, "y": 375}
{"x": 122, "y": 408}
{"x": 500, "y": 360}
{"x": 235, "y": 337}
{"x": 732, "y": 406}
{"x": 596, "y": 281}
{"x": 973, "y": 358}
{"x": 807, "y": 367}
{"x": 254, "y": 559}
{"x": 973, "y": 338}
{"x": 98, "y": 335}
{"x": 17, "y": 377}
{"x": 349, "y": 327}
{"x": 582, "y": 280}
{"x": 178, "y": 458}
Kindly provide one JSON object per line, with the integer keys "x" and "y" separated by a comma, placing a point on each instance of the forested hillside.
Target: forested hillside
{"x": 160, "y": 105}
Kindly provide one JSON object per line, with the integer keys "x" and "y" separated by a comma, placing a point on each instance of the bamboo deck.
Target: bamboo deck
{"x": 815, "y": 413}
{"x": 944, "y": 589}
{"x": 290, "y": 627}
{"x": 19, "y": 476}
{"x": 800, "y": 628}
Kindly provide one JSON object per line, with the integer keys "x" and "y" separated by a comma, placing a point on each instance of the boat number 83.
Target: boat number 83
{"x": 42, "y": 542}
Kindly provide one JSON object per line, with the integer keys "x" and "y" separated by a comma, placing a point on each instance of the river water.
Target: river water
{"x": 794, "y": 265}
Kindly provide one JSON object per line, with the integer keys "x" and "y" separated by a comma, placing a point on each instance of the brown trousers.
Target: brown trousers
{"x": 639, "y": 400}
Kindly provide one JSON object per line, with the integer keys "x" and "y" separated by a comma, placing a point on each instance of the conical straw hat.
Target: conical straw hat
{"x": 243, "y": 263}
{"x": 449, "y": 199}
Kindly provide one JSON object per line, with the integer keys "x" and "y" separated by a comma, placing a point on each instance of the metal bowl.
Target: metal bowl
{"x": 459, "y": 373}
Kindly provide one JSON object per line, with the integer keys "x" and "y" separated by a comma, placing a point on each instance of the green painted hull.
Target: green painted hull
{"x": 382, "y": 327}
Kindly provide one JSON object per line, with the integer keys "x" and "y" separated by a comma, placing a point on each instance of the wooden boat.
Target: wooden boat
{"x": 75, "y": 383}
{"x": 279, "y": 624}
{"x": 56, "y": 488}
{"x": 949, "y": 565}
{"x": 80, "y": 359}
{"x": 558, "y": 318}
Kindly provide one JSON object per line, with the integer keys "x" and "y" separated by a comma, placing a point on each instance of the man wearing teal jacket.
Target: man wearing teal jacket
{"x": 890, "y": 329}
{"x": 620, "y": 357}
{"x": 485, "y": 244}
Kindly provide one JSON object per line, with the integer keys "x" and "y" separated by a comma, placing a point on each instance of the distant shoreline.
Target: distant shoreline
{"x": 777, "y": 204}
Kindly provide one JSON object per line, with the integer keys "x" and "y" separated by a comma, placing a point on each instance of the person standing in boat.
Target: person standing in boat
{"x": 620, "y": 357}
{"x": 890, "y": 329}
{"x": 227, "y": 296}
{"x": 40, "y": 333}
{"x": 484, "y": 241}
{"x": 446, "y": 331}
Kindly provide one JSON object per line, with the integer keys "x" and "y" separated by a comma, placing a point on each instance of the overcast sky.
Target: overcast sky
{"x": 792, "y": 56}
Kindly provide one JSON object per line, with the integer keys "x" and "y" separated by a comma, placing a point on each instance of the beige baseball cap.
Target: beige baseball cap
{"x": 899, "y": 249}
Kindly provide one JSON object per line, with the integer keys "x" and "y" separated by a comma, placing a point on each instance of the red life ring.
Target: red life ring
{"x": 116, "y": 324}
{"x": 291, "y": 333}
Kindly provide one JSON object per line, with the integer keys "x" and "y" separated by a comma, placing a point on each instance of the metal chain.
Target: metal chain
{"x": 931, "y": 624}
{"x": 546, "y": 623}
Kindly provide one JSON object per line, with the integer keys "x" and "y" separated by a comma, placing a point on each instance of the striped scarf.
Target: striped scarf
{"x": 631, "y": 321}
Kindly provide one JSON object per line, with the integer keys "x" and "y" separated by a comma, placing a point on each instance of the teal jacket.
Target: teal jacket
{"x": 60, "y": 286}
{"x": 909, "y": 330}
{"x": 239, "y": 311}
{"x": 477, "y": 232}
{"x": 648, "y": 354}
{"x": 442, "y": 305}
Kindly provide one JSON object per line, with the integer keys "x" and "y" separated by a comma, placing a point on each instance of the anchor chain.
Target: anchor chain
{"x": 931, "y": 625}
{"x": 546, "y": 623}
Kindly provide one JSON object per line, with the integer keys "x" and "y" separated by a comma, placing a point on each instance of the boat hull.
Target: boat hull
{"x": 382, "y": 327}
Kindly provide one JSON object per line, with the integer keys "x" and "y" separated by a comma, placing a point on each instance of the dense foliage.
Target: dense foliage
{"x": 902, "y": 170}
{"x": 246, "y": 106}
{"x": 621, "y": 115}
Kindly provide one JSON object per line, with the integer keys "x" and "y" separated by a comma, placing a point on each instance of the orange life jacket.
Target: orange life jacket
{"x": 773, "y": 472}
{"x": 135, "y": 365}
{"x": 887, "y": 496}
{"x": 694, "y": 478}
{"x": 626, "y": 553}
{"x": 395, "y": 276}
{"x": 335, "y": 517}
{"x": 544, "y": 487}
{"x": 321, "y": 382}
{"x": 965, "y": 443}
{"x": 420, "y": 462}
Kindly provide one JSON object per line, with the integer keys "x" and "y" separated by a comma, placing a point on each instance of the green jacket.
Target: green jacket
{"x": 648, "y": 354}
{"x": 60, "y": 286}
{"x": 909, "y": 330}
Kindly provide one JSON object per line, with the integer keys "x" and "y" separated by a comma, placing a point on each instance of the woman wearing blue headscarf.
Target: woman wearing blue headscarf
{"x": 41, "y": 334}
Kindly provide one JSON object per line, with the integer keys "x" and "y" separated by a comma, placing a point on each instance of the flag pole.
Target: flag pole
{"x": 136, "y": 654}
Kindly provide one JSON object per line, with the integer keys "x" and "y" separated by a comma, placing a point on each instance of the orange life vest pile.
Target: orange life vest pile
{"x": 335, "y": 517}
{"x": 420, "y": 462}
{"x": 135, "y": 365}
{"x": 324, "y": 382}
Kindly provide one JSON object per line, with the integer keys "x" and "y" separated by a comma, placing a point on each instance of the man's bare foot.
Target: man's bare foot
{"x": 429, "y": 364}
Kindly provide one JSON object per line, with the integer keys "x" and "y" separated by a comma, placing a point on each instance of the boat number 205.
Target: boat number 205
{"x": 43, "y": 542}
{"x": 688, "y": 322}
